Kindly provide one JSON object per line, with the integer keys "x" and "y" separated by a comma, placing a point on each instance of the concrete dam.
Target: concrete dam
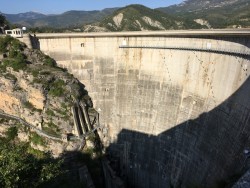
{"x": 174, "y": 106}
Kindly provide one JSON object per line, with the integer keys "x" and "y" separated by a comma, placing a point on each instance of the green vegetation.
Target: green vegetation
{"x": 49, "y": 61}
{"x": 3, "y": 20}
{"x": 50, "y": 112}
{"x": 133, "y": 14}
{"x": 16, "y": 64}
{"x": 35, "y": 72}
{"x": 11, "y": 133}
{"x": 67, "y": 21}
{"x": 22, "y": 166}
{"x": 16, "y": 59}
{"x": 52, "y": 129}
{"x": 28, "y": 105}
{"x": 218, "y": 14}
{"x": 4, "y": 42}
{"x": 57, "y": 88}
{"x": 37, "y": 139}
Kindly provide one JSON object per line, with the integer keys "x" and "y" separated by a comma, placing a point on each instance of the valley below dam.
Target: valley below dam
{"x": 174, "y": 107}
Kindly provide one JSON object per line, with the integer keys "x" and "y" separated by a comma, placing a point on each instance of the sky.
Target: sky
{"x": 60, "y": 6}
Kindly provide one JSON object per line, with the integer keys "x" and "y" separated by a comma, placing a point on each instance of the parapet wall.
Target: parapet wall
{"x": 172, "y": 117}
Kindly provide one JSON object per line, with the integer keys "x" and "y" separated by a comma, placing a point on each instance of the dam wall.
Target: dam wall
{"x": 174, "y": 106}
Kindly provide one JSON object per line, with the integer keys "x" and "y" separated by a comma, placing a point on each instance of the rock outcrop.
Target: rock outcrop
{"x": 38, "y": 92}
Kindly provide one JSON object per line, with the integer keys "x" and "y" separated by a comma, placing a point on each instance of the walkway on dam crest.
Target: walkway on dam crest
{"x": 168, "y": 33}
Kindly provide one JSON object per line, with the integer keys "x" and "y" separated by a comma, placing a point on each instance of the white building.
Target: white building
{"x": 17, "y": 33}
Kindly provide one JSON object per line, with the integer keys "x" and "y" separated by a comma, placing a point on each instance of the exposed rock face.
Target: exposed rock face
{"x": 118, "y": 19}
{"x": 203, "y": 22}
{"x": 41, "y": 94}
{"x": 152, "y": 22}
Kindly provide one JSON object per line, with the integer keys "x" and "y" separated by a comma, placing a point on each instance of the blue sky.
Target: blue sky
{"x": 59, "y": 6}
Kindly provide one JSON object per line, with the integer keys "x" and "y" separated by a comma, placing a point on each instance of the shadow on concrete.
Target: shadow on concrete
{"x": 81, "y": 169}
{"x": 34, "y": 41}
{"x": 202, "y": 152}
{"x": 234, "y": 39}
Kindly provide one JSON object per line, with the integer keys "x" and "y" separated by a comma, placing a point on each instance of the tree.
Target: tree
{"x": 19, "y": 168}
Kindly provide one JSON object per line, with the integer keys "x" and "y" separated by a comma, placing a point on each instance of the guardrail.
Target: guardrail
{"x": 211, "y": 50}
{"x": 38, "y": 131}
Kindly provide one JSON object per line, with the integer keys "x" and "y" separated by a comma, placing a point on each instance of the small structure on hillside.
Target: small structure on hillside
{"x": 17, "y": 33}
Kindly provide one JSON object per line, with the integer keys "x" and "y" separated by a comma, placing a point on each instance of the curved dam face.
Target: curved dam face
{"x": 175, "y": 110}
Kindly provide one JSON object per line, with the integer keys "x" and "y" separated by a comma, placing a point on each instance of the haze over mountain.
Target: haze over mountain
{"x": 213, "y": 13}
{"x": 139, "y": 18}
{"x": 189, "y": 14}
{"x": 69, "y": 18}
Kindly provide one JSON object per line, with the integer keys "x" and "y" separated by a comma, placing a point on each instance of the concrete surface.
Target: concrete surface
{"x": 172, "y": 118}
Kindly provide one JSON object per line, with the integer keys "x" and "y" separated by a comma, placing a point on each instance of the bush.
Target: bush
{"x": 51, "y": 131}
{"x": 37, "y": 139}
{"x": 11, "y": 133}
{"x": 57, "y": 88}
{"x": 28, "y": 105}
{"x": 4, "y": 42}
{"x": 50, "y": 112}
{"x": 16, "y": 64}
{"x": 49, "y": 61}
{"x": 35, "y": 73}
{"x": 21, "y": 166}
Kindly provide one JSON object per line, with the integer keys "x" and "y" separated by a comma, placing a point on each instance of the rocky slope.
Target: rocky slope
{"x": 35, "y": 90}
{"x": 138, "y": 18}
{"x": 213, "y": 13}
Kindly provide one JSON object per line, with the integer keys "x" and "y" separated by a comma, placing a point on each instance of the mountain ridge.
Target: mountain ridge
{"x": 216, "y": 14}
{"x": 190, "y": 14}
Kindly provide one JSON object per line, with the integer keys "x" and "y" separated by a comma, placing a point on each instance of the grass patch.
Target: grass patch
{"x": 37, "y": 153}
{"x": 11, "y": 133}
{"x": 35, "y": 73}
{"x": 51, "y": 131}
{"x": 37, "y": 139}
{"x": 49, "y": 61}
{"x": 50, "y": 112}
{"x": 57, "y": 88}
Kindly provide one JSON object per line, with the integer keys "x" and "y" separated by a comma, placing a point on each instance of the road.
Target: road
{"x": 38, "y": 131}
{"x": 168, "y": 33}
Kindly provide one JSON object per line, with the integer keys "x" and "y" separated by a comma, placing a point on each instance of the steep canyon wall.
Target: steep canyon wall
{"x": 171, "y": 117}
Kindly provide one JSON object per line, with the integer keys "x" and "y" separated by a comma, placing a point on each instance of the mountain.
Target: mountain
{"x": 66, "y": 19}
{"x": 198, "y": 5}
{"x": 14, "y": 18}
{"x": 138, "y": 18}
{"x": 213, "y": 13}
{"x": 190, "y": 14}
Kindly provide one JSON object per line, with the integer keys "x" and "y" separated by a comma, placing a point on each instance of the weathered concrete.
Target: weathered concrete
{"x": 171, "y": 117}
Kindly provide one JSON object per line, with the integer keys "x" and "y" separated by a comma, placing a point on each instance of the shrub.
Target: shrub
{"x": 49, "y": 61}
{"x": 50, "y": 112}
{"x": 51, "y": 131}
{"x": 4, "y": 42}
{"x": 22, "y": 166}
{"x": 28, "y": 105}
{"x": 16, "y": 64}
{"x": 35, "y": 73}
{"x": 57, "y": 88}
{"x": 37, "y": 139}
{"x": 11, "y": 133}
